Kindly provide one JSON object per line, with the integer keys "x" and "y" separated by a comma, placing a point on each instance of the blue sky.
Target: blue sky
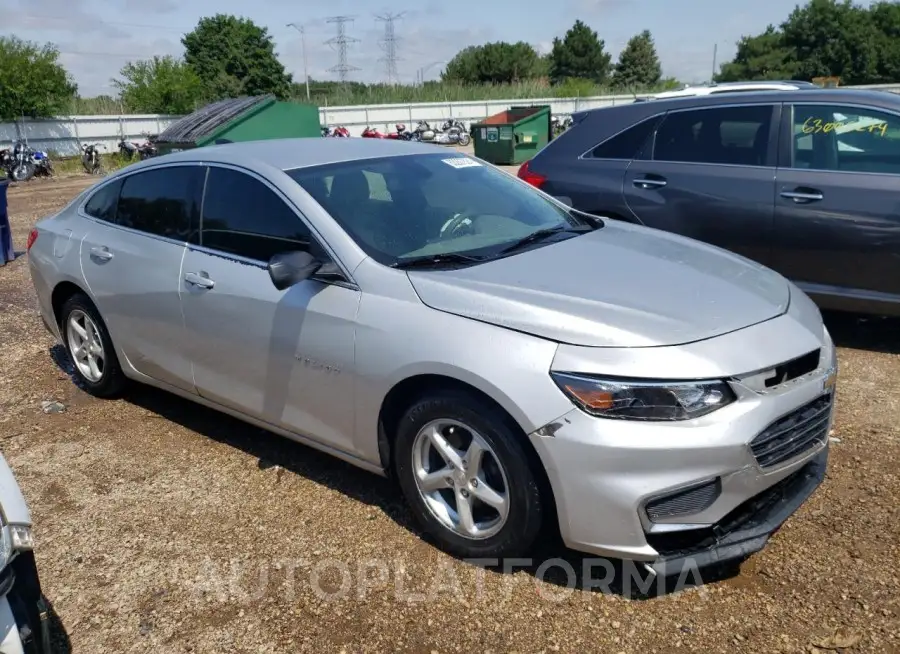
{"x": 97, "y": 37}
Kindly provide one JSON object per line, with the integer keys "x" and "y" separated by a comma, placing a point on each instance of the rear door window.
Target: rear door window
{"x": 162, "y": 201}
{"x": 722, "y": 135}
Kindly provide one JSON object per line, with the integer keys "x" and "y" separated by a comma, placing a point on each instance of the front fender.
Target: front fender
{"x": 398, "y": 340}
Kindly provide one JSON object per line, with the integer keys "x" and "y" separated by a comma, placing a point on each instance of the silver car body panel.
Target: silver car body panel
{"x": 594, "y": 290}
{"x": 13, "y": 508}
{"x": 315, "y": 363}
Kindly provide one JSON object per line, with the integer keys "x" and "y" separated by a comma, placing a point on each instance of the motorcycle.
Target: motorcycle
{"x": 370, "y": 133}
{"x": 453, "y": 132}
{"x": 21, "y": 167}
{"x": 339, "y": 132}
{"x": 90, "y": 158}
{"x": 402, "y": 134}
{"x": 423, "y": 132}
{"x": 43, "y": 167}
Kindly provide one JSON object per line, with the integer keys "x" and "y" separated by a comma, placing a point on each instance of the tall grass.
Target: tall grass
{"x": 331, "y": 94}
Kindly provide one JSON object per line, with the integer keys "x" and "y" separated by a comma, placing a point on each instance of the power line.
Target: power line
{"x": 389, "y": 45}
{"x": 341, "y": 42}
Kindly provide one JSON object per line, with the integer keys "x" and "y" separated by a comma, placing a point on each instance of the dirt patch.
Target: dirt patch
{"x": 162, "y": 526}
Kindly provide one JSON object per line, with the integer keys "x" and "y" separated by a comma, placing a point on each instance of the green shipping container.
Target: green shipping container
{"x": 513, "y": 137}
{"x": 241, "y": 119}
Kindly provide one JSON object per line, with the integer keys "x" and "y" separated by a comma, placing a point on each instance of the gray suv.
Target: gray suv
{"x": 804, "y": 181}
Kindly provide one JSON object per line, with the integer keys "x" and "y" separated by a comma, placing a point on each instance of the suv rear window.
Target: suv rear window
{"x": 627, "y": 144}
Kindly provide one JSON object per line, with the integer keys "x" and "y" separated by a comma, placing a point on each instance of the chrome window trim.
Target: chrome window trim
{"x": 584, "y": 155}
{"x": 729, "y": 105}
{"x": 821, "y": 103}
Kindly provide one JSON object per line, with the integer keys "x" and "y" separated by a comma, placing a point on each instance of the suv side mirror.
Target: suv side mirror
{"x": 566, "y": 200}
{"x": 289, "y": 268}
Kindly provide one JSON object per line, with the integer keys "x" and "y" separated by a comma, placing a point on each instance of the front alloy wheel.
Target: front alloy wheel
{"x": 469, "y": 476}
{"x": 460, "y": 479}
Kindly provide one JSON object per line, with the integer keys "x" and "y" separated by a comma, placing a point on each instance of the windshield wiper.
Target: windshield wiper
{"x": 435, "y": 260}
{"x": 541, "y": 234}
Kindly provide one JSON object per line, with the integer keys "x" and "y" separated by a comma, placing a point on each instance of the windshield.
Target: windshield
{"x": 413, "y": 206}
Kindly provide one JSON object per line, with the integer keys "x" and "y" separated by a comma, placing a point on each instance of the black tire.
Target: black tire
{"x": 113, "y": 380}
{"x": 526, "y": 512}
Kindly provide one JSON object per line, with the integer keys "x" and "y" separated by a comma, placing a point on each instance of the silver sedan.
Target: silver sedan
{"x": 515, "y": 364}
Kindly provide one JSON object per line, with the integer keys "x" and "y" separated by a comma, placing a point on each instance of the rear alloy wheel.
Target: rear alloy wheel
{"x": 90, "y": 348}
{"x": 467, "y": 477}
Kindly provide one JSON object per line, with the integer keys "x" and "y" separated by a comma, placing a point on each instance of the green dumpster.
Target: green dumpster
{"x": 513, "y": 137}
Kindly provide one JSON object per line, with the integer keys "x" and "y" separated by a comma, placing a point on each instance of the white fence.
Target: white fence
{"x": 63, "y": 135}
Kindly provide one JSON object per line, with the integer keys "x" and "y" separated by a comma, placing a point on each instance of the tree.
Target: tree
{"x": 162, "y": 85}
{"x": 828, "y": 37}
{"x": 493, "y": 63}
{"x": 463, "y": 68}
{"x": 638, "y": 63}
{"x": 824, "y": 38}
{"x": 580, "y": 54}
{"x": 32, "y": 81}
{"x": 234, "y": 57}
{"x": 760, "y": 57}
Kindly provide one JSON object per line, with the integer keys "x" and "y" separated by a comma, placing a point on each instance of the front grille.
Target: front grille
{"x": 794, "y": 433}
{"x": 685, "y": 502}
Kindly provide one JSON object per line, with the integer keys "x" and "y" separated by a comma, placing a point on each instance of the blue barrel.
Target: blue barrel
{"x": 6, "y": 247}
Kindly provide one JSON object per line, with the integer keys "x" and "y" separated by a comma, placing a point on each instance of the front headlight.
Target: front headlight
{"x": 644, "y": 400}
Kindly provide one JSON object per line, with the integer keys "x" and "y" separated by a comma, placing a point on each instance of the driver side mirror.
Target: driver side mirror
{"x": 566, "y": 200}
{"x": 289, "y": 268}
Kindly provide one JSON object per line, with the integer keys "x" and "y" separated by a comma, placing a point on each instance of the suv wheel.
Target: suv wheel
{"x": 90, "y": 348}
{"x": 467, "y": 477}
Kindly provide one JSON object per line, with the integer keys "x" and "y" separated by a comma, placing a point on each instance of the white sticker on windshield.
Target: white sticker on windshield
{"x": 461, "y": 162}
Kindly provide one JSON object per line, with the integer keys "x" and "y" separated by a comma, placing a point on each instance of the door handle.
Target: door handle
{"x": 200, "y": 280}
{"x": 649, "y": 182}
{"x": 801, "y": 197}
{"x": 101, "y": 253}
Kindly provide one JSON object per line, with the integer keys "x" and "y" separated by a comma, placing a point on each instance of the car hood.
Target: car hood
{"x": 15, "y": 510}
{"x": 618, "y": 286}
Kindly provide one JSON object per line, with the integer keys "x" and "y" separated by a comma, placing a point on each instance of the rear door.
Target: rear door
{"x": 710, "y": 175}
{"x": 131, "y": 259}
{"x": 837, "y": 215}
{"x": 593, "y": 180}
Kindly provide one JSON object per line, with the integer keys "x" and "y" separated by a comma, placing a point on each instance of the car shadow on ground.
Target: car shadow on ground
{"x": 59, "y": 638}
{"x": 862, "y": 332}
{"x": 551, "y": 561}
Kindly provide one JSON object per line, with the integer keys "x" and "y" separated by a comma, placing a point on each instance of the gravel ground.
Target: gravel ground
{"x": 162, "y": 526}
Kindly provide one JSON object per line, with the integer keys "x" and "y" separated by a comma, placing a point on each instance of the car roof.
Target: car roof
{"x": 286, "y": 154}
{"x": 727, "y": 87}
{"x": 875, "y": 99}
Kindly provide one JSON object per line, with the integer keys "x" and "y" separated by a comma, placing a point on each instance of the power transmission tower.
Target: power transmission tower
{"x": 389, "y": 45}
{"x": 341, "y": 41}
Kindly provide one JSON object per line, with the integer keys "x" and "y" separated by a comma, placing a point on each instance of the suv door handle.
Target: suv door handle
{"x": 803, "y": 196}
{"x": 649, "y": 182}
{"x": 101, "y": 253}
{"x": 200, "y": 280}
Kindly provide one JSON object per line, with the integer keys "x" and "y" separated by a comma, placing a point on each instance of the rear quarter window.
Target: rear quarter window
{"x": 102, "y": 204}
{"x": 628, "y": 144}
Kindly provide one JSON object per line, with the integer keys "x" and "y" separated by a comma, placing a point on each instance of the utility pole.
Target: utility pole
{"x": 389, "y": 45}
{"x": 341, "y": 41}
{"x": 715, "y": 54}
{"x": 302, "y": 30}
